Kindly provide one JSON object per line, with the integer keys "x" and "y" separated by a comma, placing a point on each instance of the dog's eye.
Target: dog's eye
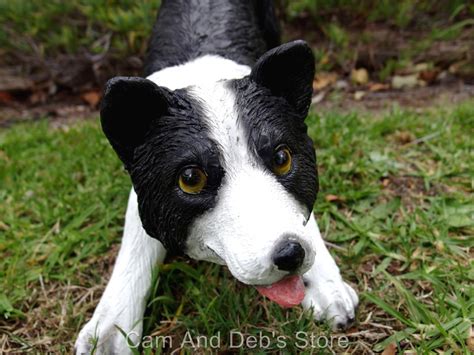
{"x": 282, "y": 160}
{"x": 192, "y": 180}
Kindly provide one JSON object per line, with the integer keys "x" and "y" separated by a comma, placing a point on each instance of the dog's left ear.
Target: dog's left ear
{"x": 288, "y": 71}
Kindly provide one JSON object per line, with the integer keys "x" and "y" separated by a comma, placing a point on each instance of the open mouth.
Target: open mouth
{"x": 288, "y": 292}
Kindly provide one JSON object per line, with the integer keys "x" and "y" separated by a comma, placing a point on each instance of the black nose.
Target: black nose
{"x": 288, "y": 255}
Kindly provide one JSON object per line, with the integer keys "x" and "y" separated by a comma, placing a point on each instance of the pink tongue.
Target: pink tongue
{"x": 287, "y": 292}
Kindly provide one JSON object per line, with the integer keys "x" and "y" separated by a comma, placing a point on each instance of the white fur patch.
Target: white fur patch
{"x": 327, "y": 294}
{"x": 254, "y": 211}
{"x": 124, "y": 300}
{"x": 205, "y": 69}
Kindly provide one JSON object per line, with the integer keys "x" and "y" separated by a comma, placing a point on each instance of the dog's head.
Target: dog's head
{"x": 224, "y": 172}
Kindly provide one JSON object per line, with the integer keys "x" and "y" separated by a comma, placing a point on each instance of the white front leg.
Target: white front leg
{"x": 124, "y": 300}
{"x": 326, "y": 292}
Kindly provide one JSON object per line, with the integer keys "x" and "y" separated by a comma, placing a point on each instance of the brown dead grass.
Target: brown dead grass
{"x": 412, "y": 190}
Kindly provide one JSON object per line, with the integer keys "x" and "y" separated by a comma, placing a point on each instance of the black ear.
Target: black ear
{"x": 288, "y": 71}
{"x": 128, "y": 107}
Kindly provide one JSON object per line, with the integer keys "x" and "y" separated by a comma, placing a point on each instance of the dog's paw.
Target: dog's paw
{"x": 334, "y": 301}
{"x": 102, "y": 336}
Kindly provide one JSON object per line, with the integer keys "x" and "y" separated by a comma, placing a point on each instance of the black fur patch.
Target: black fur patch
{"x": 240, "y": 30}
{"x": 176, "y": 140}
{"x": 155, "y": 144}
{"x": 288, "y": 72}
{"x": 272, "y": 104}
{"x": 129, "y": 106}
{"x": 270, "y": 121}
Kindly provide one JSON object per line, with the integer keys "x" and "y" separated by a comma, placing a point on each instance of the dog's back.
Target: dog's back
{"x": 239, "y": 30}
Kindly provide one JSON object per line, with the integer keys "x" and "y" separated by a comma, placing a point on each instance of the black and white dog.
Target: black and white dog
{"x": 222, "y": 167}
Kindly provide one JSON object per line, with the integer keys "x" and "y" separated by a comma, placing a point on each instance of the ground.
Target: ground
{"x": 395, "y": 205}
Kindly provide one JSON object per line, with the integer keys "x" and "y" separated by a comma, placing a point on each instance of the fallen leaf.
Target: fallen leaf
{"x": 323, "y": 80}
{"x": 429, "y": 76}
{"x": 390, "y": 349}
{"x": 420, "y": 67}
{"x": 334, "y": 198}
{"x": 378, "y": 87}
{"x": 324, "y": 60}
{"x": 404, "y": 82}
{"x": 92, "y": 98}
{"x": 318, "y": 98}
{"x": 359, "y": 95}
{"x": 360, "y": 76}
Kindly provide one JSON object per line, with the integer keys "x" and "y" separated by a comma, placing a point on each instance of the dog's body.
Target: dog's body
{"x": 222, "y": 168}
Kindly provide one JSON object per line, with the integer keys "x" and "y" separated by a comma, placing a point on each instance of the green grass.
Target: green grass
{"x": 401, "y": 214}
{"x": 120, "y": 28}
{"x": 47, "y": 28}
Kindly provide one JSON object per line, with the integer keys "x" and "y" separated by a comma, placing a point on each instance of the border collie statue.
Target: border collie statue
{"x": 222, "y": 168}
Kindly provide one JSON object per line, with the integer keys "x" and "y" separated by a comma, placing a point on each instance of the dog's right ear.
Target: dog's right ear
{"x": 288, "y": 71}
{"x": 129, "y": 106}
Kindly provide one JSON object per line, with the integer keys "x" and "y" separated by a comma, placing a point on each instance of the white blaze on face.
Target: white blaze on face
{"x": 253, "y": 211}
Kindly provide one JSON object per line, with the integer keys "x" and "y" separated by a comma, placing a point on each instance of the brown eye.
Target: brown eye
{"x": 282, "y": 160}
{"x": 192, "y": 180}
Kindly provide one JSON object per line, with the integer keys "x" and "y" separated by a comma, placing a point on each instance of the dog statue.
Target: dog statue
{"x": 222, "y": 167}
